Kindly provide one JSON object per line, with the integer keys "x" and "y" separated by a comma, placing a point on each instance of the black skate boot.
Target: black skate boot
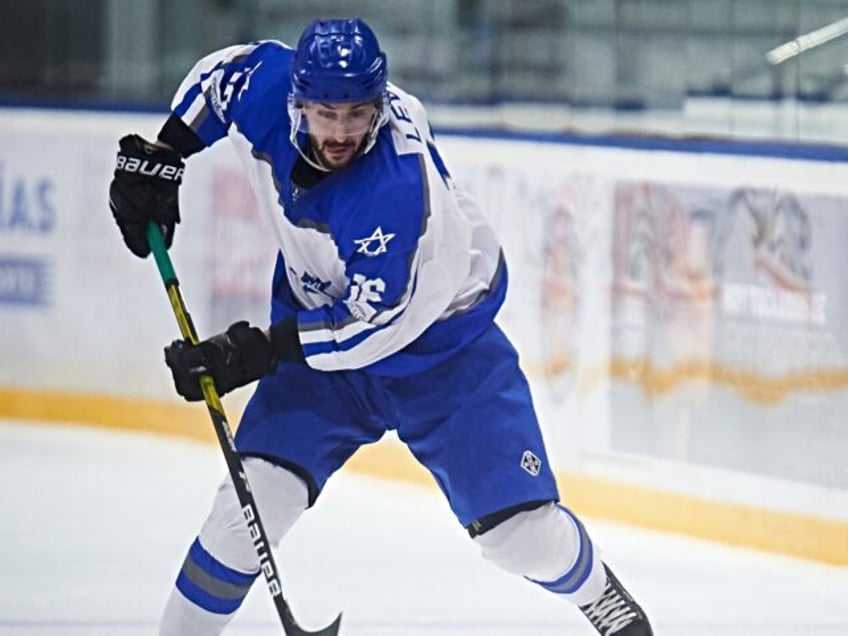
{"x": 616, "y": 613}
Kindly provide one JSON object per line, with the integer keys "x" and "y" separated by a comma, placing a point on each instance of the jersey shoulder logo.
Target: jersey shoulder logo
{"x": 375, "y": 244}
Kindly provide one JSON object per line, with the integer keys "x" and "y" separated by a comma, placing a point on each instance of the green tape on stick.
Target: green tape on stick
{"x": 160, "y": 253}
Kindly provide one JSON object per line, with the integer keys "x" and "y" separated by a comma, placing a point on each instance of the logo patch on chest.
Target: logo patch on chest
{"x": 312, "y": 284}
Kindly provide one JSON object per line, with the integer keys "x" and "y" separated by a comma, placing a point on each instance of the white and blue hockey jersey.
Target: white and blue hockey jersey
{"x": 387, "y": 264}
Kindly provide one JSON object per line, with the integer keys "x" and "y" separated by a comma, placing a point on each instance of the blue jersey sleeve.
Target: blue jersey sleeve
{"x": 219, "y": 87}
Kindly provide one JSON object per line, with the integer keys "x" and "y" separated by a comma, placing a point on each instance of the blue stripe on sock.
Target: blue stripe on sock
{"x": 574, "y": 579}
{"x": 216, "y": 570}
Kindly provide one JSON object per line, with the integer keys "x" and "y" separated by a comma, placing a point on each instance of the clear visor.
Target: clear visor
{"x": 337, "y": 121}
{"x": 353, "y": 123}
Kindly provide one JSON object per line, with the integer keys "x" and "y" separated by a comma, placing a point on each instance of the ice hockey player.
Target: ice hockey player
{"x": 383, "y": 302}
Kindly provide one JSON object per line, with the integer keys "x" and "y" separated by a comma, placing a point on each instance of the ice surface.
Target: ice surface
{"x": 94, "y": 525}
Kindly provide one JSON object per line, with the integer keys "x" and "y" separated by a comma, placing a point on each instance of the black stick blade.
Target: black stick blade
{"x": 291, "y": 627}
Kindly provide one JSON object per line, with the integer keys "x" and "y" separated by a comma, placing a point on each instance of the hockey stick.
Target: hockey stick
{"x": 225, "y": 439}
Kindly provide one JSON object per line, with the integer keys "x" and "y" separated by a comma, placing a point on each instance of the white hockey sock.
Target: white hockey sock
{"x": 222, "y": 562}
{"x": 550, "y": 547}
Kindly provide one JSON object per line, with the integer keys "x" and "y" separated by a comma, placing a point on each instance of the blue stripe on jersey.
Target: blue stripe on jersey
{"x": 438, "y": 161}
{"x": 210, "y": 584}
{"x": 330, "y": 345}
{"x": 349, "y": 343}
{"x": 188, "y": 98}
{"x": 206, "y": 125}
{"x": 574, "y": 579}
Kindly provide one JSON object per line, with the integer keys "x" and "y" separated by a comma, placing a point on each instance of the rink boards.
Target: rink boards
{"x": 677, "y": 308}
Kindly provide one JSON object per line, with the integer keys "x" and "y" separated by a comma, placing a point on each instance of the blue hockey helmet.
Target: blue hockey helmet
{"x": 338, "y": 61}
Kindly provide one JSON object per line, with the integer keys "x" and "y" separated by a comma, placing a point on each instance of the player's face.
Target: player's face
{"x": 336, "y": 131}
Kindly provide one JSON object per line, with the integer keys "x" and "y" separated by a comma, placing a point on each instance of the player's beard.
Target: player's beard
{"x": 335, "y": 155}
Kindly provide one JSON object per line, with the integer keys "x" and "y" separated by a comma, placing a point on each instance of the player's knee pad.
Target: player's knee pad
{"x": 549, "y": 546}
{"x": 532, "y": 543}
{"x": 281, "y": 498}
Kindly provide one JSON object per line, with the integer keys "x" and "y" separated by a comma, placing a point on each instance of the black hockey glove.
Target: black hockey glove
{"x": 145, "y": 188}
{"x": 234, "y": 358}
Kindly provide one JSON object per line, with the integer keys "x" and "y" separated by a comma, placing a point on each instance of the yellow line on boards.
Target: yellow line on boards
{"x": 170, "y": 418}
{"x": 759, "y": 388}
{"x": 786, "y": 533}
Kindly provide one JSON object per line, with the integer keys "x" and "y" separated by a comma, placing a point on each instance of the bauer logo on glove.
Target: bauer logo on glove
{"x": 145, "y": 189}
{"x": 149, "y": 168}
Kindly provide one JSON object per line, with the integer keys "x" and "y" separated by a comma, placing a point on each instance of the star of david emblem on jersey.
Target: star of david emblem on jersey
{"x": 531, "y": 463}
{"x": 374, "y": 244}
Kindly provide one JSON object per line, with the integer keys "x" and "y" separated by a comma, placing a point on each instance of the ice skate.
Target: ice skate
{"x": 615, "y": 613}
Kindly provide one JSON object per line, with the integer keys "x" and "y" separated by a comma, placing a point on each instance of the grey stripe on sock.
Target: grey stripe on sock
{"x": 210, "y": 584}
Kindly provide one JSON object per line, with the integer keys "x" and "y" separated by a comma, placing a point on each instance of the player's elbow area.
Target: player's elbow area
{"x": 285, "y": 341}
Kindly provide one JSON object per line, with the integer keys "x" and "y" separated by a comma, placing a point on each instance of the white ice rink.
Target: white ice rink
{"x": 94, "y": 525}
